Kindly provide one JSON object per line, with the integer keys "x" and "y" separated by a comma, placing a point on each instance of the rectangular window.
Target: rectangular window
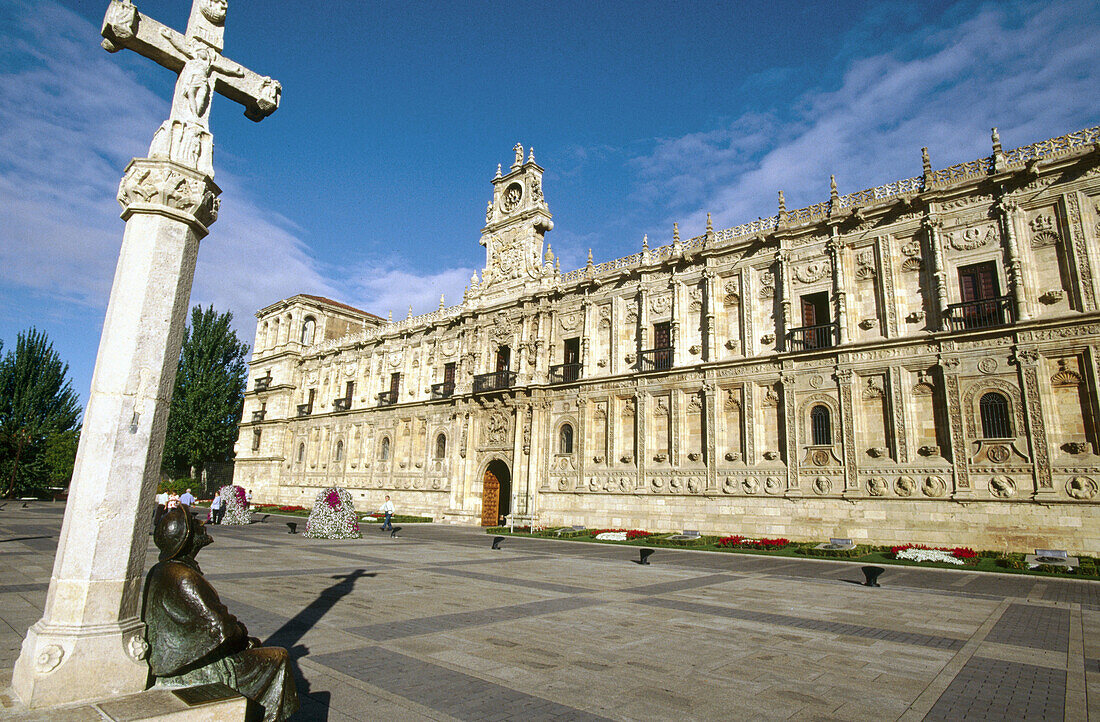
{"x": 817, "y": 326}
{"x": 395, "y": 385}
{"x": 504, "y": 358}
{"x": 978, "y": 282}
{"x": 309, "y": 404}
{"x": 256, "y": 439}
{"x": 348, "y": 391}
{"x": 981, "y": 303}
{"x": 662, "y": 335}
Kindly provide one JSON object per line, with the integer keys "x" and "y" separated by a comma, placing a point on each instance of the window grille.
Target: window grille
{"x": 821, "y": 428}
{"x": 994, "y": 411}
{"x": 565, "y": 439}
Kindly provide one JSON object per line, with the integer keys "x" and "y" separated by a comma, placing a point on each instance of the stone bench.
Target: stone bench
{"x": 837, "y": 544}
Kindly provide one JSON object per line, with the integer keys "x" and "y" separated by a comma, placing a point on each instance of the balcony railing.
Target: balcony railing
{"x": 656, "y": 359}
{"x": 980, "y": 314}
{"x": 494, "y": 382}
{"x": 258, "y": 416}
{"x": 305, "y": 409}
{"x": 443, "y": 391}
{"x": 565, "y": 373}
{"x": 341, "y": 404}
{"x": 387, "y": 398}
{"x": 262, "y": 383}
{"x": 808, "y": 338}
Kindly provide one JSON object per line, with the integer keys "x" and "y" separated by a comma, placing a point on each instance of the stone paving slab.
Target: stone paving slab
{"x": 436, "y": 625}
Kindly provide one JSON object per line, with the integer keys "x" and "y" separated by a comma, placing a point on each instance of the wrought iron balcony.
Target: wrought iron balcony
{"x": 258, "y": 416}
{"x": 305, "y": 409}
{"x": 443, "y": 391}
{"x": 656, "y": 359}
{"x": 565, "y": 373}
{"x": 980, "y": 314}
{"x": 808, "y": 338}
{"x": 262, "y": 383}
{"x": 341, "y": 404}
{"x": 494, "y": 381}
{"x": 387, "y": 398}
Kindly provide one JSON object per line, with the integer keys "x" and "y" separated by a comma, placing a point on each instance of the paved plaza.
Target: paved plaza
{"x": 436, "y": 625}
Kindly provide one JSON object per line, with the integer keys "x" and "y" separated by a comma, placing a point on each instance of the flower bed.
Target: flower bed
{"x": 333, "y": 516}
{"x": 627, "y": 534}
{"x": 237, "y": 512}
{"x": 739, "y": 542}
{"x": 943, "y": 555}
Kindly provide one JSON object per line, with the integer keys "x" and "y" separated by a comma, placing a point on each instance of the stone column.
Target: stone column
{"x": 782, "y": 287}
{"x": 939, "y": 275}
{"x": 834, "y": 248}
{"x": 1009, "y": 211}
{"x": 710, "y": 343}
{"x": 710, "y": 429}
{"x": 642, "y": 332}
{"x": 790, "y": 433}
{"x": 678, "y": 350}
{"x": 844, "y": 379}
{"x": 89, "y": 643}
{"x": 641, "y": 412}
{"x": 587, "y": 362}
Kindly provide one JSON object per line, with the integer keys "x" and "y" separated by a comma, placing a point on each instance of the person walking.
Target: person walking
{"x": 217, "y": 508}
{"x": 162, "y": 504}
{"x": 388, "y": 510}
{"x": 187, "y": 498}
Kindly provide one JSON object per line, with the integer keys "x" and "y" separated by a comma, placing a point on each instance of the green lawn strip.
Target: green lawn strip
{"x": 985, "y": 562}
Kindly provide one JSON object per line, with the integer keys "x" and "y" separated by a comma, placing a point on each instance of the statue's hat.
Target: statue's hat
{"x": 173, "y": 533}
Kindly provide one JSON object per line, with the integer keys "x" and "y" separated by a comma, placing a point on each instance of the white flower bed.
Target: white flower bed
{"x": 236, "y": 508}
{"x": 333, "y": 516}
{"x": 612, "y": 536}
{"x": 928, "y": 555}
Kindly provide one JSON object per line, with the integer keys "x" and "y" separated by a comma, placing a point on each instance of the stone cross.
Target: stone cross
{"x": 90, "y": 642}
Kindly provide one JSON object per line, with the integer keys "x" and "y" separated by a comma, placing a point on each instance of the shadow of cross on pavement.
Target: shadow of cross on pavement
{"x": 296, "y": 627}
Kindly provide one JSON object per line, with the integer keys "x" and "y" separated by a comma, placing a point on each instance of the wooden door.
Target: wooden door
{"x": 504, "y": 357}
{"x": 395, "y": 385}
{"x": 490, "y": 499}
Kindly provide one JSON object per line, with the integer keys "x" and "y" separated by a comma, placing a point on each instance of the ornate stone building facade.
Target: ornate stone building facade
{"x": 914, "y": 362}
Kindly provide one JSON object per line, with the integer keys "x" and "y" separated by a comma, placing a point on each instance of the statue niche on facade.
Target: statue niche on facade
{"x": 193, "y": 639}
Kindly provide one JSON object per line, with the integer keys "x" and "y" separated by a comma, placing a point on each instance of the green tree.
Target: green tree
{"x": 209, "y": 393}
{"x": 39, "y": 416}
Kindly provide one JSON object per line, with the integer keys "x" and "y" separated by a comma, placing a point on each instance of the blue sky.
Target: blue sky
{"x": 369, "y": 184}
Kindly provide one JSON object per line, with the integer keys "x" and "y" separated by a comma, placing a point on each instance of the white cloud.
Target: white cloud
{"x": 72, "y": 119}
{"x": 1033, "y": 70}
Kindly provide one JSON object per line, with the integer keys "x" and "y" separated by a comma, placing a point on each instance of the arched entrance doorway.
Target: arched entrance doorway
{"x": 496, "y": 493}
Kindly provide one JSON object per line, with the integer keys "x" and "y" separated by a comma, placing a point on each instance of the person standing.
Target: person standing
{"x": 162, "y": 504}
{"x": 388, "y": 510}
{"x": 217, "y": 508}
{"x": 248, "y": 499}
{"x": 187, "y": 498}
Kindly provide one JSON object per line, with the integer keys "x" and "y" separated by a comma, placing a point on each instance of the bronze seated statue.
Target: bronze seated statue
{"x": 193, "y": 639}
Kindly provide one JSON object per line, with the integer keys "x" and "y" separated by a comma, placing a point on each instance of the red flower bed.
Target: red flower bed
{"x": 292, "y": 508}
{"x": 957, "y": 552}
{"x": 739, "y": 542}
{"x": 630, "y": 533}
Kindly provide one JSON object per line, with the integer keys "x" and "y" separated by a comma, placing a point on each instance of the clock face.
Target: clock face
{"x": 512, "y": 196}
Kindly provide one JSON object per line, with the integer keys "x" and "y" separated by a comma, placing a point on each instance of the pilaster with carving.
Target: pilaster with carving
{"x": 580, "y": 442}
{"x": 641, "y": 337}
{"x": 1079, "y": 249}
{"x": 710, "y": 429}
{"x": 951, "y": 400}
{"x": 790, "y": 433}
{"x": 588, "y": 365}
{"x": 884, "y": 248}
{"x": 745, "y": 311}
{"x": 848, "y": 432}
{"x": 1027, "y": 366}
{"x": 675, "y": 427}
{"x": 748, "y": 421}
{"x": 641, "y": 412}
{"x": 897, "y": 415}
{"x": 678, "y": 350}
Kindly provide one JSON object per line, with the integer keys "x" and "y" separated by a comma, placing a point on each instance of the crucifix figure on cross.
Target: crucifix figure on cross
{"x": 203, "y": 70}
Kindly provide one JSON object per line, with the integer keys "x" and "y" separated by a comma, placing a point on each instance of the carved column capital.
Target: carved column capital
{"x": 169, "y": 189}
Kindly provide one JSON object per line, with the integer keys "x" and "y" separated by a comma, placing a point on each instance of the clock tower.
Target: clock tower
{"x": 515, "y": 222}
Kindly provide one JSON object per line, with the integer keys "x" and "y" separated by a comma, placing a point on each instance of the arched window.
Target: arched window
{"x": 301, "y": 453}
{"x": 565, "y": 439}
{"x": 273, "y": 339}
{"x": 440, "y": 446}
{"x": 996, "y": 423}
{"x": 308, "y": 326}
{"x": 340, "y": 450}
{"x": 264, "y": 341}
{"x": 384, "y": 452}
{"x": 821, "y": 427}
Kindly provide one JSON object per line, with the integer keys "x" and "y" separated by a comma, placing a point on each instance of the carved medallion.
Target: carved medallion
{"x": 822, "y": 485}
{"x": 1002, "y": 487}
{"x": 772, "y": 485}
{"x": 933, "y": 486}
{"x": 987, "y": 365}
{"x": 750, "y": 485}
{"x": 905, "y": 486}
{"x": 877, "y": 486}
{"x": 1081, "y": 487}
